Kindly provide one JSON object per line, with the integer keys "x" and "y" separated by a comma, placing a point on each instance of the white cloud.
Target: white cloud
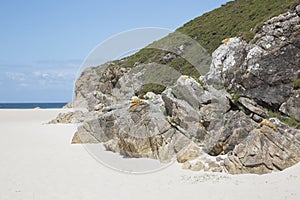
{"x": 37, "y": 80}
{"x": 16, "y": 76}
{"x": 41, "y": 79}
{"x": 55, "y": 74}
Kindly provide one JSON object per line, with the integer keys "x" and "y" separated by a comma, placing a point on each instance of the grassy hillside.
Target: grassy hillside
{"x": 236, "y": 18}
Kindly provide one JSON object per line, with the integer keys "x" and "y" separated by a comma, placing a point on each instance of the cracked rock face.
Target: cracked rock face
{"x": 234, "y": 128}
{"x": 96, "y": 87}
{"x": 138, "y": 129}
{"x": 264, "y": 69}
{"x": 194, "y": 110}
{"x": 271, "y": 147}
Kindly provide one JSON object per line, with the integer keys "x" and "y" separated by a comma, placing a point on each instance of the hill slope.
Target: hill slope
{"x": 236, "y": 18}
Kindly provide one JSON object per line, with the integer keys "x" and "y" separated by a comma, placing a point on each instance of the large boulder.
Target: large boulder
{"x": 138, "y": 129}
{"x": 188, "y": 153}
{"x": 292, "y": 106}
{"x": 94, "y": 89}
{"x": 192, "y": 108}
{"x": 229, "y": 131}
{"x": 225, "y": 60}
{"x": 271, "y": 147}
{"x": 183, "y": 117}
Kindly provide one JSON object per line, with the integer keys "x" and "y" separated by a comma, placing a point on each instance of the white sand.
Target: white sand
{"x": 38, "y": 162}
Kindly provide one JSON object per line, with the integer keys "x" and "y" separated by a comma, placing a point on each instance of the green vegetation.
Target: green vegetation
{"x": 290, "y": 121}
{"x": 150, "y": 87}
{"x": 235, "y": 97}
{"x": 296, "y": 84}
{"x": 150, "y": 55}
{"x": 236, "y": 18}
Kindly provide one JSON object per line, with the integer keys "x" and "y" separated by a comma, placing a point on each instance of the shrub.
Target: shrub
{"x": 296, "y": 84}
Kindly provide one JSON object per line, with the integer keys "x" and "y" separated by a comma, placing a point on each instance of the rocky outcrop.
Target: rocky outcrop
{"x": 109, "y": 84}
{"x": 229, "y": 132}
{"x": 223, "y": 116}
{"x": 188, "y": 153}
{"x": 73, "y": 117}
{"x": 99, "y": 92}
{"x": 193, "y": 109}
{"x": 271, "y": 147}
{"x": 292, "y": 106}
{"x": 137, "y": 129}
{"x": 253, "y": 107}
{"x": 226, "y": 59}
{"x": 261, "y": 75}
{"x": 63, "y": 118}
{"x": 265, "y": 68}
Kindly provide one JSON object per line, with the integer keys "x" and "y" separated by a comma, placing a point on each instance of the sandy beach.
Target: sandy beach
{"x": 38, "y": 162}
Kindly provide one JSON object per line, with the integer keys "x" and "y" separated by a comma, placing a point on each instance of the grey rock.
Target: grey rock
{"x": 226, "y": 59}
{"x": 272, "y": 147}
{"x": 183, "y": 116}
{"x": 292, "y": 106}
{"x": 189, "y": 90}
{"x": 257, "y": 118}
{"x": 83, "y": 138}
{"x": 72, "y": 117}
{"x": 212, "y": 164}
{"x": 252, "y": 106}
{"x": 137, "y": 130}
{"x": 186, "y": 165}
{"x": 101, "y": 82}
{"x": 229, "y": 131}
{"x": 106, "y": 85}
{"x": 84, "y": 87}
{"x": 264, "y": 69}
{"x": 169, "y": 57}
{"x": 219, "y": 158}
{"x": 198, "y": 166}
{"x": 298, "y": 10}
{"x": 188, "y": 153}
{"x": 192, "y": 109}
{"x": 63, "y": 118}
{"x": 217, "y": 169}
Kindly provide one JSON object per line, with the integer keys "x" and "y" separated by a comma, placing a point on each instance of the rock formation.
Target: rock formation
{"x": 227, "y": 114}
{"x": 264, "y": 69}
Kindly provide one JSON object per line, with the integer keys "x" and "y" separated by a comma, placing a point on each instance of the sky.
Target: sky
{"x": 44, "y": 42}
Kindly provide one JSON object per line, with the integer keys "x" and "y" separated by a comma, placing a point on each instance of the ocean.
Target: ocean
{"x": 30, "y": 105}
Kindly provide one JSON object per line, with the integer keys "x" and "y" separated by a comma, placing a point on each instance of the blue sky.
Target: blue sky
{"x": 44, "y": 42}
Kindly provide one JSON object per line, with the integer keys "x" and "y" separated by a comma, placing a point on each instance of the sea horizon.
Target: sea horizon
{"x": 31, "y": 105}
